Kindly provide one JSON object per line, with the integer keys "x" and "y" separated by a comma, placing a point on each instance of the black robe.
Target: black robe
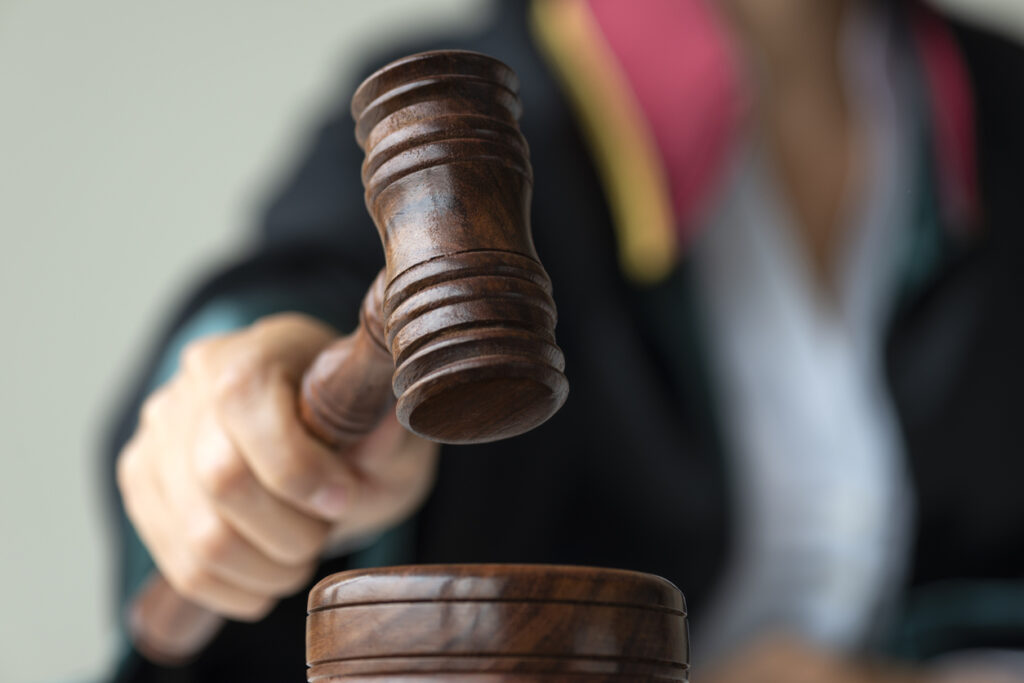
{"x": 631, "y": 472}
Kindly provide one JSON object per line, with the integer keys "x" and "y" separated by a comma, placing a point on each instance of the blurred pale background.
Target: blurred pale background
{"x": 135, "y": 139}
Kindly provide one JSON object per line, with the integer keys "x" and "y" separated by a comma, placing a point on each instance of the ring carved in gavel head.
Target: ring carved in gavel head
{"x": 467, "y": 312}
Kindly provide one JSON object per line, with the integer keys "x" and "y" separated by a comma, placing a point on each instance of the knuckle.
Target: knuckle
{"x": 291, "y": 477}
{"x": 243, "y": 375}
{"x": 222, "y": 473}
{"x": 308, "y": 549}
{"x": 255, "y": 610}
{"x": 190, "y": 579}
{"x": 154, "y": 408}
{"x": 209, "y": 539}
{"x": 197, "y": 355}
{"x": 127, "y": 467}
{"x": 268, "y": 323}
{"x": 302, "y": 547}
{"x": 272, "y": 323}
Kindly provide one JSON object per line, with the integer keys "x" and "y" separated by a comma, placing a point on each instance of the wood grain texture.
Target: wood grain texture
{"x": 468, "y": 312}
{"x": 459, "y": 326}
{"x": 467, "y": 582}
{"x": 496, "y": 622}
{"x": 347, "y": 389}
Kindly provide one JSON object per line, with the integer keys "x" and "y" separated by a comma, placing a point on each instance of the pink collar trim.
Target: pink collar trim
{"x": 682, "y": 69}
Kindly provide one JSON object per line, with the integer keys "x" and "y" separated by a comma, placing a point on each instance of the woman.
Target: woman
{"x": 784, "y": 244}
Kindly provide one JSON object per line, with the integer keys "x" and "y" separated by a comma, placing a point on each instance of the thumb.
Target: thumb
{"x": 384, "y": 450}
{"x": 291, "y": 341}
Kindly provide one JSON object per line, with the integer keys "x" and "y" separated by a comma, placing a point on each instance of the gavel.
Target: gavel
{"x": 459, "y": 325}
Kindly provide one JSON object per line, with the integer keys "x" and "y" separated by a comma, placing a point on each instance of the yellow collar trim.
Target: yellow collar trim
{"x": 616, "y": 130}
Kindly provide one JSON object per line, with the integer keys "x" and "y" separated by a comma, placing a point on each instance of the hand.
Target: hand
{"x": 232, "y": 496}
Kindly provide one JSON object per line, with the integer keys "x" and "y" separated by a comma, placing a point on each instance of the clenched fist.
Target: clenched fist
{"x": 233, "y": 497}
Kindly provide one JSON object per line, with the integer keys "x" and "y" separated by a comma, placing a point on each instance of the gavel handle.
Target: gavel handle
{"x": 345, "y": 393}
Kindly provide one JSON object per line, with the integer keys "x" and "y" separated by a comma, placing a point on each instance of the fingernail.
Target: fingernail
{"x": 330, "y": 500}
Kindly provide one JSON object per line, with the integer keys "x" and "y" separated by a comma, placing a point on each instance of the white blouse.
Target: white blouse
{"x": 823, "y": 501}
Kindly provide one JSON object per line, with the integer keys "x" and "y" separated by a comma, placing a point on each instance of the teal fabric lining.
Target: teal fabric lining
{"x": 956, "y": 615}
{"x": 928, "y": 243}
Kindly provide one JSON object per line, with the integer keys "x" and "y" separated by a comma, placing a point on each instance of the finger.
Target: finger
{"x": 146, "y": 506}
{"x": 292, "y": 337}
{"x": 389, "y": 452}
{"x": 138, "y": 490}
{"x": 205, "y": 589}
{"x": 277, "y": 530}
{"x": 260, "y": 417}
{"x": 395, "y": 471}
{"x": 220, "y": 551}
{"x": 213, "y": 544}
{"x": 291, "y": 340}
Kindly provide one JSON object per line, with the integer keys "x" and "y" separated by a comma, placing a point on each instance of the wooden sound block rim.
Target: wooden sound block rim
{"x": 496, "y": 623}
{"x": 448, "y": 664}
{"x": 500, "y": 678}
{"x": 526, "y": 582}
{"x": 555, "y": 629}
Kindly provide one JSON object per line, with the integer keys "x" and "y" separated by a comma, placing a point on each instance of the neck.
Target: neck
{"x": 789, "y": 41}
{"x": 802, "y": 114}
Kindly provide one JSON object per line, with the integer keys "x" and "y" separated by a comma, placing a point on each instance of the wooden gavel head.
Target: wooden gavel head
{"x": 467, "y": 310}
